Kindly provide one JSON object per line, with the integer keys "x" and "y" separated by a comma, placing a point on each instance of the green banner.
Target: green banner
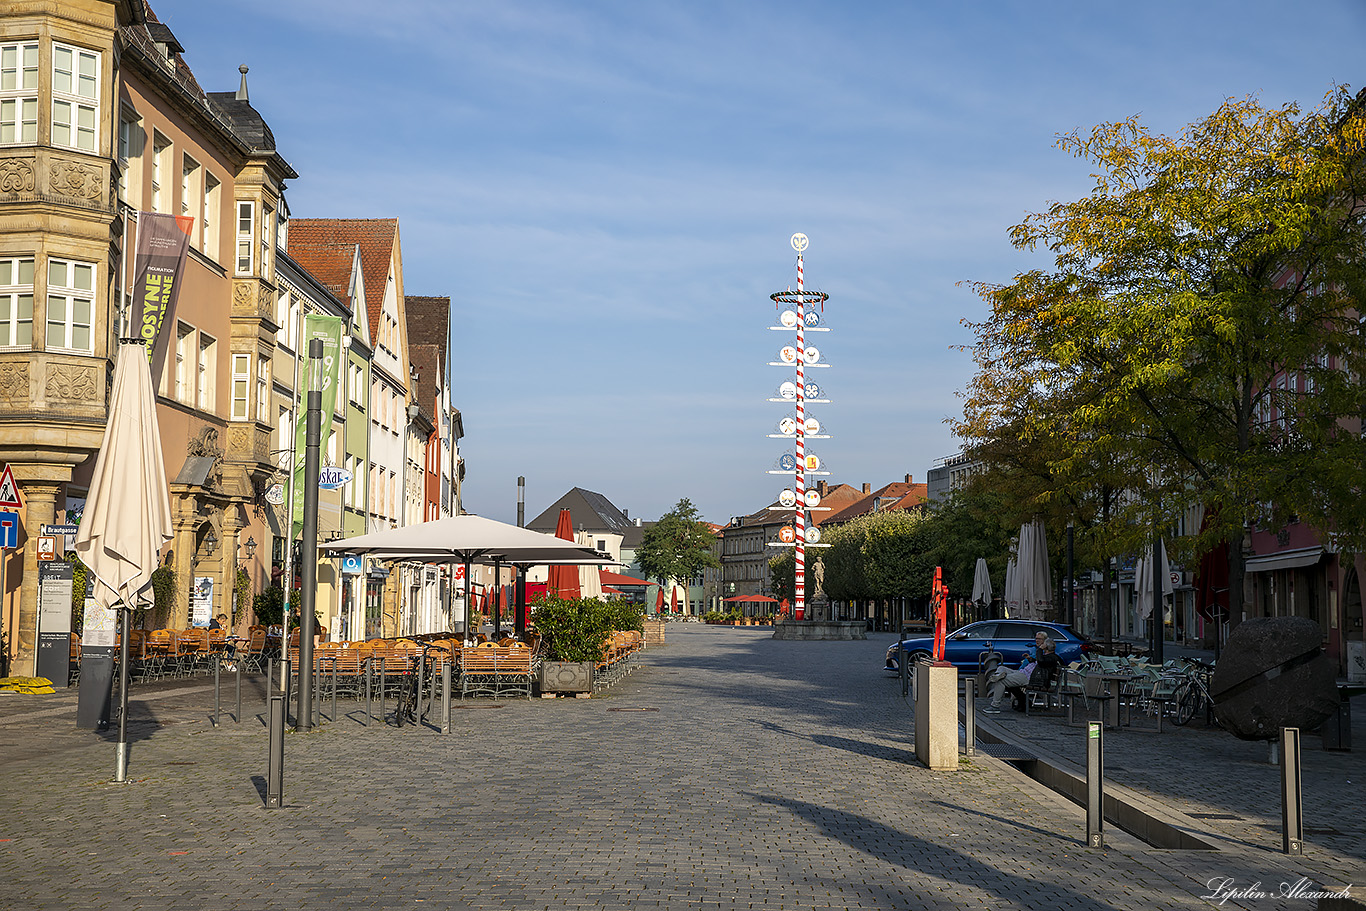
{"x": 329, "y": 329}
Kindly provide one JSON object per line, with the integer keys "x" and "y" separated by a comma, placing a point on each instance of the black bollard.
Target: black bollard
{"x": 445, "y": 697}
{"x": 969, "y": 715}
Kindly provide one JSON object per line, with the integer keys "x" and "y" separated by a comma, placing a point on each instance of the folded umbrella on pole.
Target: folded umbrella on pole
{"x": 981, "y": 582}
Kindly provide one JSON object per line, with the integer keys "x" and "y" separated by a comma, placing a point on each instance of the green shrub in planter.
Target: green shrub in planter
{"x": 575, "y": 629}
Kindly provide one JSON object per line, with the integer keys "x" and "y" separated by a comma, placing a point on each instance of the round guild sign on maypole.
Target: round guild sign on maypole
{"x": 799, "y": 312}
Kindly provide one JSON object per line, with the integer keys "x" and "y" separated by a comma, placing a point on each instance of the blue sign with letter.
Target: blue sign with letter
{"x": 350, "y": 564}
{"x": 9, "y": 529}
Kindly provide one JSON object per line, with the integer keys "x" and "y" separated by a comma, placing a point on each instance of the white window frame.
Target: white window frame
{"x": 130, "y": 155}
{"x": 186, "y": 347}
{"x": 263, "y": 389}
{"x": 161, "y": 191}
{"x": 207, "y": 369}
{"x": 81, "y": 98}
{"x": 69, "y": 296}
{"x": 241, "y": 387}
{"x": 246, "y": 237}
{"x": 192, "y": 196}
{"x": 19, "y": 93}
{"x": 16, "y": 302}
{"x": 267, "y": 239}
{"x": 213, "y": 203}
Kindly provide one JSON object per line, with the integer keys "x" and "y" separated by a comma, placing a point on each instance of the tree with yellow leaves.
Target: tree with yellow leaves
{"x": 1197, "y": 341}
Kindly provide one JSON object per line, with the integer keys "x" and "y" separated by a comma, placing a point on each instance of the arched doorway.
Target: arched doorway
{"x": 1353, "y": 623}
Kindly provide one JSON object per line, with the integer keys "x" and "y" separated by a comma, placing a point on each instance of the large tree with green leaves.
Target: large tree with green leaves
{"x": 1197, "y": 339}
{"x": 678, "y": 546}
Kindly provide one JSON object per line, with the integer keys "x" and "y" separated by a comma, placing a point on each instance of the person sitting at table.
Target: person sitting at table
{"x": 1039, "y": 672}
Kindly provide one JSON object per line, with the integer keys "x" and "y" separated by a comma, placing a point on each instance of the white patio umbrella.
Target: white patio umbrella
{"x": 590, "y": 577}
{"x": 1029, "y": 590}
{"x": 127, "y": 519}
{"x": 1143, "y": 579}
{"x": 981, "y": 582}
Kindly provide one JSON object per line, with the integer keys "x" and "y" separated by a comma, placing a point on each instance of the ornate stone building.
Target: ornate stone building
{"x": 100, "y": 118}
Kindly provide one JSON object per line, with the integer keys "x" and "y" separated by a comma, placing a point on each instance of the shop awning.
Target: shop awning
{"x": 1286, "y": 559}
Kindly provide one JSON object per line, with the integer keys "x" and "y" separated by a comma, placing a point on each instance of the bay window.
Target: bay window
{"x": 16, "y": 302}
{"x": 75, "y": 98}
{"x": 70, "y": 304}
{"x": 19, "y": 93}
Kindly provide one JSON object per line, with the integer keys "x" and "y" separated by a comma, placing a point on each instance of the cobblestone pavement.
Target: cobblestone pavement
{"x": 729, "y": 771}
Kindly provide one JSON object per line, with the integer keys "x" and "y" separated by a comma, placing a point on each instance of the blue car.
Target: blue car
{"x": 1012, "y": 638}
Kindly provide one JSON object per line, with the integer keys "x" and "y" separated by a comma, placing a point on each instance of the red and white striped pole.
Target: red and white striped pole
{"x": 799, "y": 586}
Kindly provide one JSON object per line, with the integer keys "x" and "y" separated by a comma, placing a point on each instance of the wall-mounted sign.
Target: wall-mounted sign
{"x": 9, "y": 529}
{"x": 275, "y": 494}
{"x": 201, "y": 601}
{"x": 9, "y": 491}
{"x": 47, "y": 547}
{"x": 787, "y": 499}
{"x": 332, "y": 478}
{"x": 351, "y": 564}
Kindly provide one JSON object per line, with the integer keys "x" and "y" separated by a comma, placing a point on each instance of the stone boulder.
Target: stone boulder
{"x": 1273, "y": 674}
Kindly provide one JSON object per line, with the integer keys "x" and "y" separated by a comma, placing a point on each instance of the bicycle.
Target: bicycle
{"x": 1192, "y": 694}
{"x": 410, "y": 698}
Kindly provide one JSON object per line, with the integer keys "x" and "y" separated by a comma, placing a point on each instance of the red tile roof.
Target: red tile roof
{"x": 377, "y": 239}
{"x": 896, "y": 495}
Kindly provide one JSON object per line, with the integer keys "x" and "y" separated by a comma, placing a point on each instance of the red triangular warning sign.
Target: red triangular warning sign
{"x": 9, "y": 491}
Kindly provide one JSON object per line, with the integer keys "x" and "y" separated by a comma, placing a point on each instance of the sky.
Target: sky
{"x": 606, "y": 192}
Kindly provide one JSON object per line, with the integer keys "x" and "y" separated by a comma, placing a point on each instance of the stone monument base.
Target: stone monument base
{"x": 820, "y": 629}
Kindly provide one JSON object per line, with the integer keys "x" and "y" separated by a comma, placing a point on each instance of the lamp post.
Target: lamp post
{"x": 309, "y": 551}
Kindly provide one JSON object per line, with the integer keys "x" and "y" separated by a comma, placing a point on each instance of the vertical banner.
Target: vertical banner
{"x": 329, "y": 329}
{"x": 157, "y": 266}
{"x": 201, "y": 605}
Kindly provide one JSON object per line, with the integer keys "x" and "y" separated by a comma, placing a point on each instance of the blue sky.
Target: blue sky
{"x": 606, "y": 191}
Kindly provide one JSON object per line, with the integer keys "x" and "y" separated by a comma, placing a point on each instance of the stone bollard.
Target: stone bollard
{"x": 936, "y": 715}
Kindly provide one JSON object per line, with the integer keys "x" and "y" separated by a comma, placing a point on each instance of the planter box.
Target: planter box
{"x": 566, "y": 676}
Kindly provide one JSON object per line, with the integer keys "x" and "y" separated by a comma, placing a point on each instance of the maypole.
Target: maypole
{"x": 800, "y": 319}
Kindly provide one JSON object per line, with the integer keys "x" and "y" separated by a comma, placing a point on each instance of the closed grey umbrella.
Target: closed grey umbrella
{"x": 981, "y": 582}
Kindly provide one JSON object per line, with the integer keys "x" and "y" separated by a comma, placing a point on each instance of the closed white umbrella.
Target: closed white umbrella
{"x": 1143, "y": 579}
{"x": 1032, "y": 574}
{"x": 590, "y": 577}
{"x": 981, "y": 582}
{"x": 127, "y": 519}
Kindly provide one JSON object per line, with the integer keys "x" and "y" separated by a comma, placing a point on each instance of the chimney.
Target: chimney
{"x": 867, "y": 488}
{"x": 908, "y": 479}
{"x": 242, "y": 88}
{"x": 823, "y": 488}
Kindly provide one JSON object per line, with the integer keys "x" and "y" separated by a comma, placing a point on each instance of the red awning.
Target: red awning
{"x": 617, "y": 580}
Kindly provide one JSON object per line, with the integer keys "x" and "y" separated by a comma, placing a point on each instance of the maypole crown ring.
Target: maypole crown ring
{"x": 799, "y": 242}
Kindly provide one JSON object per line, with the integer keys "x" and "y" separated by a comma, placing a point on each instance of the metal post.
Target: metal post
{"x": 969, "y": 715}
{"x": 217, "y": 700}
{"x": 308, "y": 576}
{"x": 1071, "y": 613}
{"x": 446, "y": 697}
{"x": 334, "y": 690}
{"x": 369, "y": 676}
{"x": 905, "y": 672}
{"x": 1292, "y": 806}
{"x": 1159, "y": 609}
{"x": 382, "y": 716}
{"x": 237, "y": 665}
{"x": 1095, "y": 787}
{"x": 275, "y": 773}
{"x": 121, "y": 756}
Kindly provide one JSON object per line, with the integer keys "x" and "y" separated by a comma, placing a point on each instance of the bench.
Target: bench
{"x": 495, "y": 671}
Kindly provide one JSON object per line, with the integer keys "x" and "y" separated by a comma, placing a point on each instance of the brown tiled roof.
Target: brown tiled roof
{"x": 377, "y": 239}
{"x": 428, "y": 322}
{"x": 330, "y": 266}
{"x": 889, "y": 497}
{"x": 425, "y": 358}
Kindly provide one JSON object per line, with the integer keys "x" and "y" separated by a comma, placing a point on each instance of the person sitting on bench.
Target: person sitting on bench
{"x": 1039, "y": 673}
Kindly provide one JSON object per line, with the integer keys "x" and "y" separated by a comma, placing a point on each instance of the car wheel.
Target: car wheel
{"x": 917, "y": 656}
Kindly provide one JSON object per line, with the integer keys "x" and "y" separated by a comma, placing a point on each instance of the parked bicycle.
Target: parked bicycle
{"x": 1192, "y": 693}
{"x": 409, "y": 700}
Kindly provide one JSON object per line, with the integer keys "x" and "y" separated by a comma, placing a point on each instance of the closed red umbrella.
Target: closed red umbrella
{"x": 564, "y": 580}
{"x": 675, "y": 602}
{"x": 659, "y": 600}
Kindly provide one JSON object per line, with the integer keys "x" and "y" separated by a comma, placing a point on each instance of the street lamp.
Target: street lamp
{"x": 251, "y": 547}
{"x": 210, "y": 543}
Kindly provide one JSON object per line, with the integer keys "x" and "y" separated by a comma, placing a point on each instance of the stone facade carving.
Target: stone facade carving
{"x": 242, "y": 293}
{"x": 14, "y": 382}
{"x": 71, "y": 383}
{"x": 81, "y": 181}
{"x": 16, "y": 176}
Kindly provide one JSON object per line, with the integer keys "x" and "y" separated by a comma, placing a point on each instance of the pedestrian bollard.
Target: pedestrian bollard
{"x": 369, "y": 675}
{"x": 969, "y": 716}
{"x": 904, "y": 671}
{"x": 217, "y": 707}
{"x": 1292, "y": 807}
{"x": 275, "y": 772}
{"x": 237, "y": 667}
{"x": 1095, "y": 790}
{"x": 382, "y": 717}
{"x": 445, "y": 697}
{"x": 334, "y": 689}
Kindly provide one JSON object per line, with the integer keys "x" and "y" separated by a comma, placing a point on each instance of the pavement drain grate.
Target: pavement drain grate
{"x": 1214, "y": 816}
{"x": 1006, "y": 751}
{"x": 632, "y": 710}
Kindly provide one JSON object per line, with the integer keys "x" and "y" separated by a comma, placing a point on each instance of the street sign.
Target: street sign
{"x": 61, "y": 529}
{"x": 351, "y": 564}
{"x": 9, "y": 529}
{"x": 47, "y": 547}
{"x": 9, "y": 491}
